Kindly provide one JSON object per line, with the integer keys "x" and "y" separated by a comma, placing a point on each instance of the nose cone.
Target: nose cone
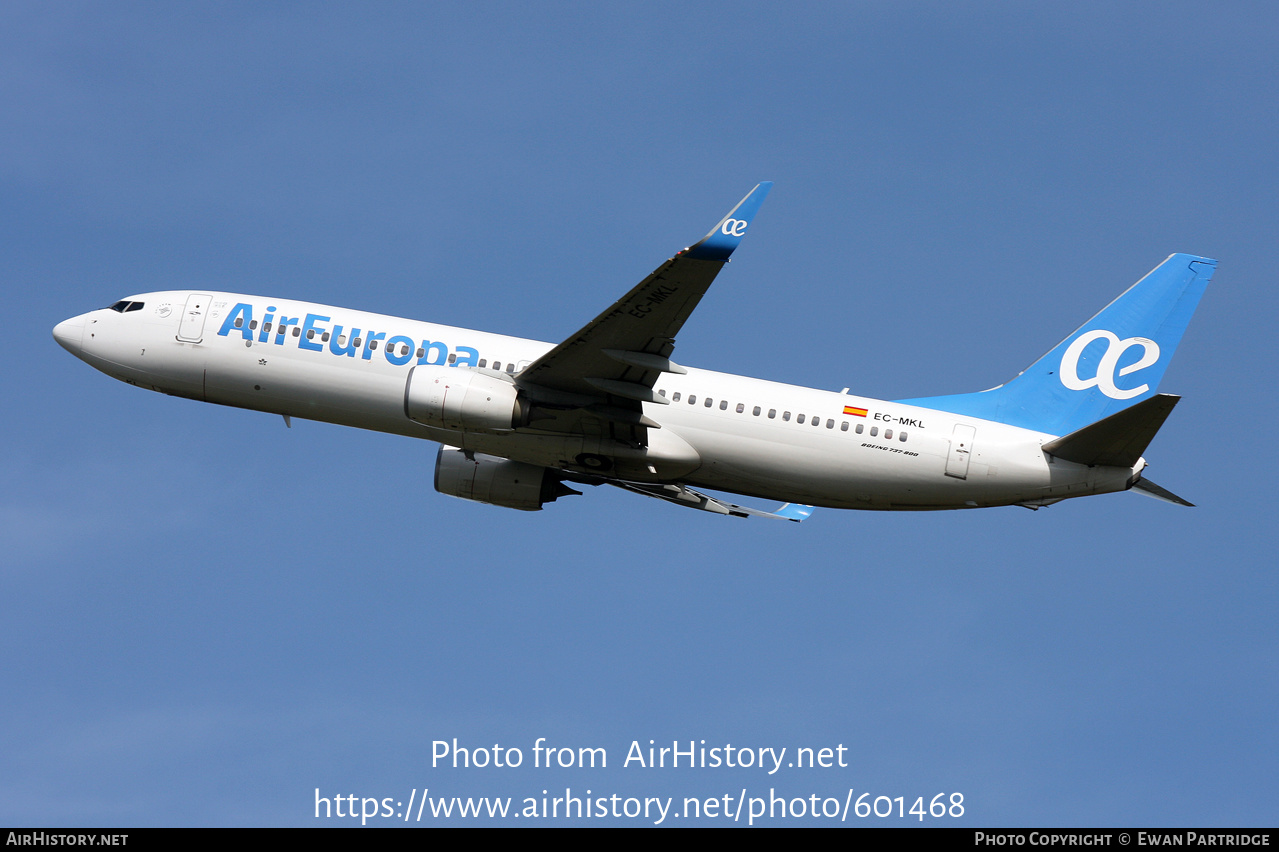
{"x": 69, "y": 333}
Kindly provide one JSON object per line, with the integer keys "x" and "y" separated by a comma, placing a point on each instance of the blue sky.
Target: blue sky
{"x": 207, "y": 616}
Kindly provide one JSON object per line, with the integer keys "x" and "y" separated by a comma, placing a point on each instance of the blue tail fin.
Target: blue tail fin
{"x": 1112, "y": 361}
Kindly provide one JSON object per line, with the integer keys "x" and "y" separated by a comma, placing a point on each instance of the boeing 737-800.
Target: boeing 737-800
{"x": 518, "y": 419}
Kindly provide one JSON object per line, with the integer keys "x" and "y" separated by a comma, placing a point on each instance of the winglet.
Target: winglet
{"x": 794, "y": 512}
{"x": 724, "y": 237}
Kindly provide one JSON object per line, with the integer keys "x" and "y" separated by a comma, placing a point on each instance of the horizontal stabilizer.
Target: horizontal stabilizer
{"x": 1118, "y": 440}
{"x": 1145, "y": 486}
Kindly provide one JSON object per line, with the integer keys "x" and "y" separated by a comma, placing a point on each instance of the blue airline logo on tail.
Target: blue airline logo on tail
{"x": 1139, "y": 332}
{"x": 1104, "y": 381}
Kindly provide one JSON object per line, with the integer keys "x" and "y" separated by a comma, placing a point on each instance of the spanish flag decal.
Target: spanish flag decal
{"x": 854, "y": 412}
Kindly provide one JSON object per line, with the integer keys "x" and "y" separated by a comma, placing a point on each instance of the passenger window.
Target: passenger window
{"x": 772, "y": 413}
{"x": 239, "y": 322}
{"x": 266, "y": 326}
{"x": 874, "y": 430}
{"x": 861, "y": 427}
{"x": 901, "y": 436}
{"x": 297, "y": 331}
{"x": 830, "y": 424}
{"x": 452, "y": 355}
{"x": 817, "y": 421}
{"x": 404, "y": 349}
{"x": 888, "y": 434}
{"x": 253, "y": 326}
{"x": 692, "y": 399}
{"x": 755, "y": 411}
{"x": 421, "y": 353}
{"x": 843, "y": 426}
{"x": 342, "y": 340}
{"x": 497, "y": 365}
{"x": 310, "y": 334}
{"x": 325, "y": 337}
{"x": 709, "y": 402}
{"x": 799, "y": 418}
{"x": 723, "y": 406}
{"x": 484, "y": 362}
{"x": 675, "y": 397}
{"x": 662, "y": 392}
{"x": 786, "y": 415}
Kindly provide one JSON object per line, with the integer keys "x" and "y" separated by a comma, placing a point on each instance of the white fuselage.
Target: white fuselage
{"x": 720, "y": 431}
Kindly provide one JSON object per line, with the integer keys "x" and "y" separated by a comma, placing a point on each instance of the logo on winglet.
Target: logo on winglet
{"x": 1104, "y": 381}
{"x": 733, "y": 227}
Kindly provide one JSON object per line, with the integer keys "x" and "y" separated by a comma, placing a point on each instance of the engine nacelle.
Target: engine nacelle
{"x": 461, "y": 400}
{"x": 495, "y": 480}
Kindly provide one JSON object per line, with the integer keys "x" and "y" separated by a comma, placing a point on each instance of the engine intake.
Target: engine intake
{"x": 462, "y": 400}
{"x": 495, "y": 480}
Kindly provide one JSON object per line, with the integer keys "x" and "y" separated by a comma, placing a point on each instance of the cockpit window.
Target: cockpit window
{"x": 124, "y": 306}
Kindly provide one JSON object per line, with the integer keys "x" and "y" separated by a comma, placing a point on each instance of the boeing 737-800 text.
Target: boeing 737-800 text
{"x": 518, "y": 419}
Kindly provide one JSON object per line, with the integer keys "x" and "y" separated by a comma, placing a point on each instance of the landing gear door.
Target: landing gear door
{"x": 961, "y": 450}
{"x": 192, "y": 328}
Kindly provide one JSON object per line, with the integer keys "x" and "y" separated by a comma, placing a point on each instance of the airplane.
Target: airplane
{"x": 518, "y": 420}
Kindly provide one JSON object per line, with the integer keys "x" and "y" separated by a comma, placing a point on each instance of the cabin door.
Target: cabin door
{"x": 192, "y": 328}
{"x": 961, "y": 450}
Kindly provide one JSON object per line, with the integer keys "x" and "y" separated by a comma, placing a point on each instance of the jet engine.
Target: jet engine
{"x": 462, "y": 400}
{"x": 492, "y": 479}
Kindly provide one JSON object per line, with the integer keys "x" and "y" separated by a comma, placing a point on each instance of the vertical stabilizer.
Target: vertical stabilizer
{"x": 1111, "y": 362}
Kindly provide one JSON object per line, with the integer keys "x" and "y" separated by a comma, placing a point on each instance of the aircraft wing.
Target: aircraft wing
{"x": 682, "y": 495}
{"x": 611, "y": 364}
